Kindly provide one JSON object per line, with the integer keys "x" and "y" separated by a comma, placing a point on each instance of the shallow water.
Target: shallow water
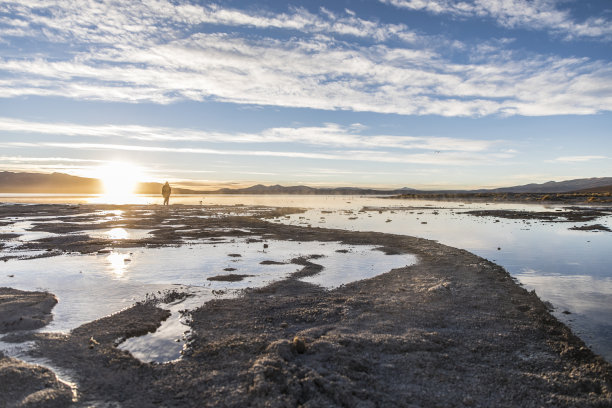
{"x": 93, "y": 286}
{"x": 571, "y": 269}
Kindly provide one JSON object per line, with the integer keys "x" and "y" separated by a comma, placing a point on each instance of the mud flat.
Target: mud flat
{"x": 452, "y": 330}
{"x": 20, "y": 310}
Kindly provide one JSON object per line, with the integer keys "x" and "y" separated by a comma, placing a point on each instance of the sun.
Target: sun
{"x": 119, "y": 179}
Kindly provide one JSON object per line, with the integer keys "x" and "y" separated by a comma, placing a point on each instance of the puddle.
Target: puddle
{"x": 364, "y": 261}
{"x": 21, "y": 351}
{"x": 568, "y": 268}
{"x": 557, "y": 256}
{"x": 168, "y": 341}
{"x": 92, "y": 286}
{"x": 22, "y": 228}
{"x": 119, "y": 233}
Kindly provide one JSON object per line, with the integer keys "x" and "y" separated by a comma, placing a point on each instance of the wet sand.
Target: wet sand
{"x": 452, "y": 330}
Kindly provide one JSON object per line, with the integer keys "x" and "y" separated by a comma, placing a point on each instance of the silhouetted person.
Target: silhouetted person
{"x": 166, "y": 190}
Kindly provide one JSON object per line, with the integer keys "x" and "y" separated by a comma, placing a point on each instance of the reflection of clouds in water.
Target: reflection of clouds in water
{"x": 577, "y": 293}
{"x": 118, "y": 263}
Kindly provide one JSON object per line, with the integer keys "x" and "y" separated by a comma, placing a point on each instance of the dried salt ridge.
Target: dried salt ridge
{"x": 452, "y": 330}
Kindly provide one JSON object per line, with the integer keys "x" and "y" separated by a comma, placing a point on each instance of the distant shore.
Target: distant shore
{"x": 452, "y": 330}
{"x": 593, "y": 198}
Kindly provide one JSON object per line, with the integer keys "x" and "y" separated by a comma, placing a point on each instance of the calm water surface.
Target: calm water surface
{"x": 571, "y": 269}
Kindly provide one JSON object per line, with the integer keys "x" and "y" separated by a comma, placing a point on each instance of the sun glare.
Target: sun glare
{"x": 120, "y": 181}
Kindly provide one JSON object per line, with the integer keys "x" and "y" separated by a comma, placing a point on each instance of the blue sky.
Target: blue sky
{"x": 387, "y": 93}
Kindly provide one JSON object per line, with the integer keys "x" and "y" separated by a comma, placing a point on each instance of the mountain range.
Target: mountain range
{"x": 59, "y": 183}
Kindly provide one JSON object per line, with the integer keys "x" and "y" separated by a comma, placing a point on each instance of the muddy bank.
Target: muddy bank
{"x": 23, "y": 384}
{"x": 594, "y": 227}
{"x": 81, "y": 228}
{"x": 571, "y": 214}
{"x": 453, "y": 330}
{"x": 567, "y": 214}
{"x": 542, "y": 198}
{"x": 20, "y": 310}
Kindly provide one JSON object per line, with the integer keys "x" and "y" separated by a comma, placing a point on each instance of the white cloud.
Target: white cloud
{"x": 457, "y": 158}
{"x": 131, "y": 21}
{"x": 22, "y": 159}
{"x": 44, "y": 164}
{"x": 330, "y": 135}
{"x": 575, "y": 159}
{"x": 534, "y": 14}
{"x": 147, "y": 51}
{"x": 321, "y": 75}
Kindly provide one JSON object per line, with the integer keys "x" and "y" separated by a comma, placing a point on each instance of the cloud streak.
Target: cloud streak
{"x": 107, "y": 22}
{"x": 578, "y": 159}
{"x": 379, "y": 156}
{"x": 330, "y": 135}
{"x": 534, "y": 14}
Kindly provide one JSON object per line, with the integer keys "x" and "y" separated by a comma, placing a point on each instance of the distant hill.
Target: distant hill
{"x": 155, "y": 188}
{"x": 557, "y": 186}
{"x": 55, "y": 183}
{"x": 603, "y": 189}
{"x": 278, "y": 189}
{"x": 549, "y": 187}
{"x": 60, "y": 183}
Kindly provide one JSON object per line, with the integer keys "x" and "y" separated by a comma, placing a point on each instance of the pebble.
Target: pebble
{"x": 299, "y": 344}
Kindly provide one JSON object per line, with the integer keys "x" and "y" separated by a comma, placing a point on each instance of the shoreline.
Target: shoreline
{"x": 445, "y": 331}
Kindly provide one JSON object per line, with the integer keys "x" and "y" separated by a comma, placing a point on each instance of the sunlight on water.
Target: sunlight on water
{"x": 118, "y": 263}
{"x": 119, "y": 198}
{"x": 117, "y": 233}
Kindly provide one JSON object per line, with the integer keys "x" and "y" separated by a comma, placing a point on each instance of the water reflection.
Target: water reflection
{"x": 119, "y": 199}
{"x": 93, "y": 286}
{"x": 548, "y": 257}
{"x": 118, "y": 263}
{"x": 117, "y": 233}
{"x": 566, "y": 267}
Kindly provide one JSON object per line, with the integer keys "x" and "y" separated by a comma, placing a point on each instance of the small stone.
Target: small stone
{"x": 299, "y": 344}
{"x": 92, "y": 342}
{"x": 284, "y": 325}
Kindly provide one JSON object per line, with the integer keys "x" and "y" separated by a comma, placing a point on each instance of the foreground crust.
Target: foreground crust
{"x": 453, "y": 330}
{"x": 23, "y": 384}
{"x": 20, "y": 310}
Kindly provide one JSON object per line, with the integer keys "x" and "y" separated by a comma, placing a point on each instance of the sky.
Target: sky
{"x": 378, "y": 93}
